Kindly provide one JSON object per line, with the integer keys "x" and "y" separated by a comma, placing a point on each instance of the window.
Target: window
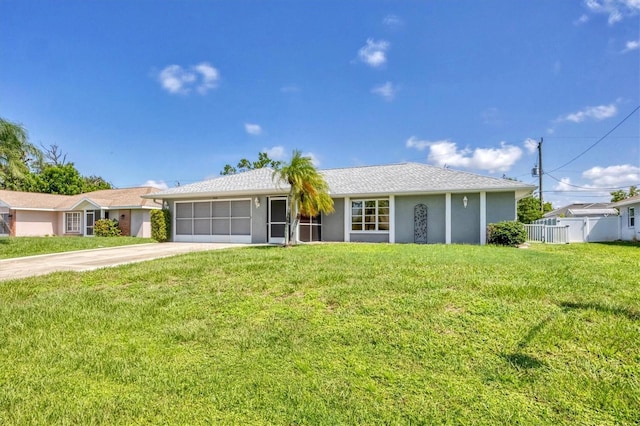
{"x": 370, "y": 215}
{"x": 310, "y": 228}
{"x": 632, "y": 217}
{"x": 72, "y": 222}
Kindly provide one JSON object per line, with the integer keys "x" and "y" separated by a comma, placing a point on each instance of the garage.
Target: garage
{"x": 217, "y": 221}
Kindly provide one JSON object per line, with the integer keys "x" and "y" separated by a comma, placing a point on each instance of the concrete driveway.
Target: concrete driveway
{"x": 86, "y": 260}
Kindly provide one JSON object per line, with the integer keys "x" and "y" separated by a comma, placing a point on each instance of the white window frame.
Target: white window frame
{"x": 632, "y": 217}
{"x": 72, "y": 222}
{"x": 377, "y": 220}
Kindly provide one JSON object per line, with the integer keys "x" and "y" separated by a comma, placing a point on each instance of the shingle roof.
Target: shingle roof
{"x": 582, "y": 209}
{"x": 403, "y": 178}
{"x": 626, "y": 201}
{"x": 108, "y": 198}
{"x": 411, "y": 178}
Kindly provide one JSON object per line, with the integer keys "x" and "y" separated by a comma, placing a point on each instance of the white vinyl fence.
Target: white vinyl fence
{"x": 552, "y": 234}
{"x": 579, "y": 229}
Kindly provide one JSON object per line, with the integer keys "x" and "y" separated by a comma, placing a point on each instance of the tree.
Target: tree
{"x": 65, "y": 180}
{"x": 620, "y": 194}
{"x": 94, "y": 183}
{"x": 245, "y": 165}
{"x": 16, "y": 155}
{"x": 308, "y": 191}
{"x": 529, "y": 209}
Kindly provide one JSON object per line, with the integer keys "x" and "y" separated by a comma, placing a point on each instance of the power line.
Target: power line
{"x": 589, "y": 187}
{"x": 596, "y": 142}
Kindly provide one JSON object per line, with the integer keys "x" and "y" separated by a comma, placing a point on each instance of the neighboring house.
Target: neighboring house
{"x": 36, "y": 214}
{"x": 397, "y": 203}
{"x": 629, "y": 217}
{"x": 583, "y": 210}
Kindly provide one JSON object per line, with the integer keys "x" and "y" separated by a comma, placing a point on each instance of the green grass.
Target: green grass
{"x": 330, "y": 334}
{"x": 29, "y": 246}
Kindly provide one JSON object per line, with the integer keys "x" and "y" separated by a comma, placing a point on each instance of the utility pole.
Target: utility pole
{"x": 540, "y": 175}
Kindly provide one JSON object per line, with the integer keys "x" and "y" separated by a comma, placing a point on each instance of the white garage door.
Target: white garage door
{"x": 226, "y": 221}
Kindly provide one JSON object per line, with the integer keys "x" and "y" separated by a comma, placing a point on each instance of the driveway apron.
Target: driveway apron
{"x": 86, "y": 260}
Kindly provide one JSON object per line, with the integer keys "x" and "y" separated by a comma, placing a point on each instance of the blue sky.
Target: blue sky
{"x": 170, "y": 91}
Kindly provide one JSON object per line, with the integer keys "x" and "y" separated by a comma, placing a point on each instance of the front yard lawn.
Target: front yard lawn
{"x": 30, "y": 246}
{"x": 330, "y": 334}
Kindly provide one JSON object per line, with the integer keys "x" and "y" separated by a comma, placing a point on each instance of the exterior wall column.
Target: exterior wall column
{"x": 447, "y": 218}
{"x": 483, "y": 218}
{"x": 392, "y": 218}
{"x": 347, "y": 219}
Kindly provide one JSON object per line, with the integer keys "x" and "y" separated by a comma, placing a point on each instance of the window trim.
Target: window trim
{"x": 363, "y": 215}
{"x": 631, "y": 222}
{"x": 70, "y": 219}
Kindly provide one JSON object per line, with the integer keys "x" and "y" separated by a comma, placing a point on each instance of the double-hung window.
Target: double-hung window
{"x": 632, "y": 217}
{"x": 72, "y": 222}
{"x": 370, "y": 215}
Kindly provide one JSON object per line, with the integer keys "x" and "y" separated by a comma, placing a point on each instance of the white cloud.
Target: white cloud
{"x": 631, "y": 45}
{"x": 420, "y": 145}
{"x": 387, "y": 91}
{"x": 531, "y": 145}
{"x": 314, "y": 158}
{"x": 445, "y": 152}
{"x": 392, "y": 21}
{"x": 616, "y": 10}
{"x": 253, "y": 129}
{"x": 175, "y": 79}
{"x": 275, "y": 153}
{"x": 374, "y": 53}
{"x": 209, "y": 79}
{"x": 178, "y": 80}
{"x": 596, "y": 113}
{"x": 583, "y": 19}
{"x": 160, "y": 184}
{"x": 613, "y": 176}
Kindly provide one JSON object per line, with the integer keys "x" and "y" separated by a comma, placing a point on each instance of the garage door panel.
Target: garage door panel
{"x": 220, "y": 227}
{"x": 241, "y": 208}
{"x": 220, "y": 209}
{"x": 240, "y": 226}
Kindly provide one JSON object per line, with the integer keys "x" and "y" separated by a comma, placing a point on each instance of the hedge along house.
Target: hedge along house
{"x": 36, "y": 214}
{"x": 397, "y": 203}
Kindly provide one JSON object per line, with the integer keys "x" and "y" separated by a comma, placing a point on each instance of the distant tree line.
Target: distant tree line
{"x": 26, "y": 167}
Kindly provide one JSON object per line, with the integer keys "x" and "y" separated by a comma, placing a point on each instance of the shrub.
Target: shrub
{"x": 106, "y": 228}
{"x": 160, "y": 225}
{"x": 506, "y": 233}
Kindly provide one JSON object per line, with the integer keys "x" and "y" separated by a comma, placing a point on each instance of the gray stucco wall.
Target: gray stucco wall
{"x": 369, "y": 238}
{"x": 333, "y": 224}
{"x": 501, "y": 206}
{"x": 465, "y": 222}
{"x": 404, "y": 207}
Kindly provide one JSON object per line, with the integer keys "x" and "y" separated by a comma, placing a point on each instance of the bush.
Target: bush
{"x": 106, "y": 228}
{"x": 160, "y": 225}
{"x": 506, "y": 233}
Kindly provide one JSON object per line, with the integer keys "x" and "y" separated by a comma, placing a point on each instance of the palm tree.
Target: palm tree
{"x": 308, "y": 191}
{"x": 15, "y": 153}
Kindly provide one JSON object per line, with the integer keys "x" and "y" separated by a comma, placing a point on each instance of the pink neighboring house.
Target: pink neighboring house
{"x": 33, "y": 214}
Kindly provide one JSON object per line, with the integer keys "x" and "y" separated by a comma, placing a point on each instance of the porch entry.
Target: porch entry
{"x": 90, "y": 221}
{"x": 277, "y": 219}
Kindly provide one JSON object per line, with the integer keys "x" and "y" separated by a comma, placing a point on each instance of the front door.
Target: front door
{"x": 90, "y": 221}
{"x": 277, "y": 220}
